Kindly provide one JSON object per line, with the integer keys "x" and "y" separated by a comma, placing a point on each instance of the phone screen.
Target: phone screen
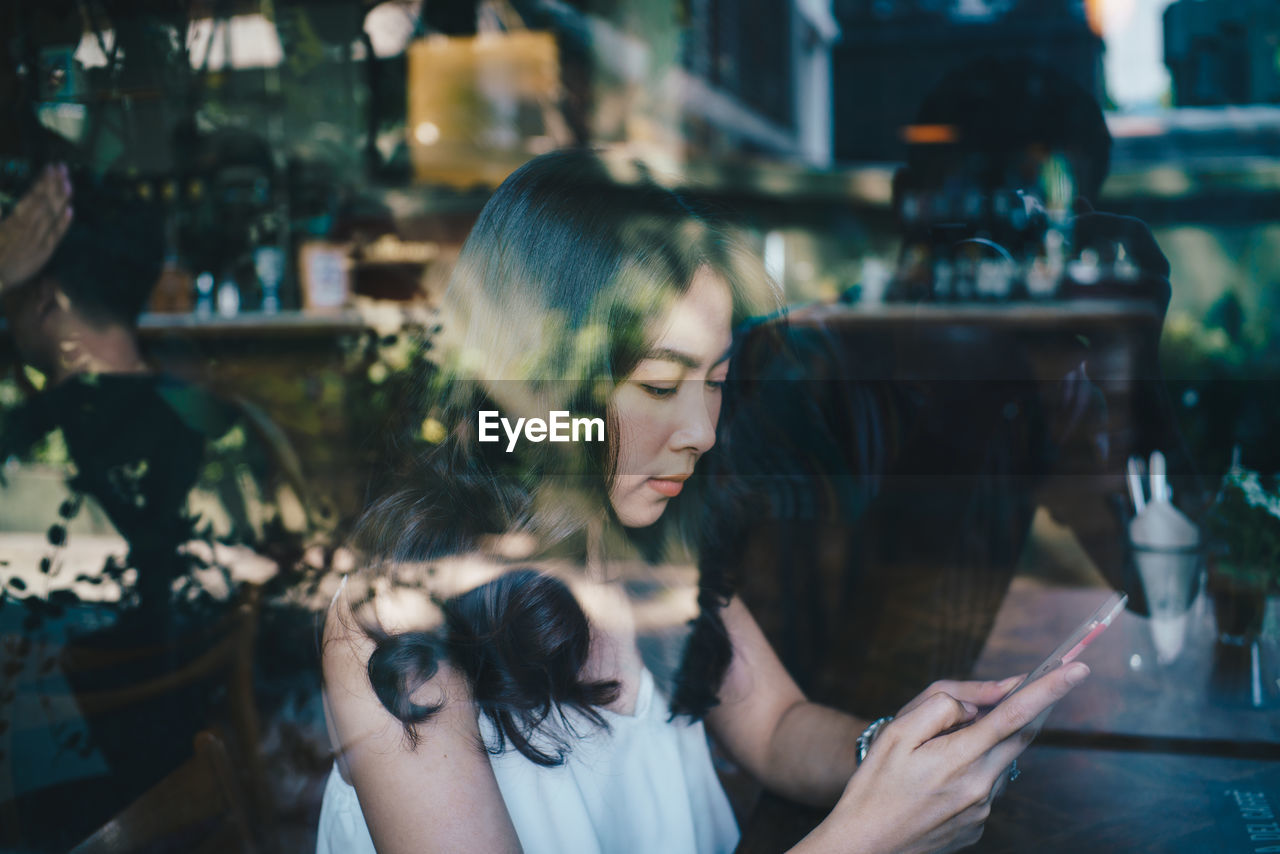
{"x": 1076, "y": 642}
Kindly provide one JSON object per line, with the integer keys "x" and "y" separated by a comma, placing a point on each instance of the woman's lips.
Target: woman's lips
{"x": 667, "y": 486}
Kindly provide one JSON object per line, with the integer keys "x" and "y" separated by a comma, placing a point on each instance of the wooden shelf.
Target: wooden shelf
{"x": 1032, "y": 313}
{"x": 292, "y": 323}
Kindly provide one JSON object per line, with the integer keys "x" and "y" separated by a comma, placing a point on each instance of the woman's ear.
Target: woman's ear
{"x": 34, "y": 311}
{"x": 47, "y": 298}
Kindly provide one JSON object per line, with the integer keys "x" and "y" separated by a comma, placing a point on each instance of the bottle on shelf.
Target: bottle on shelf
{"x": 228, "y": 298}
{"x": 204, "y": 294}
{"x": 268, "y": 263}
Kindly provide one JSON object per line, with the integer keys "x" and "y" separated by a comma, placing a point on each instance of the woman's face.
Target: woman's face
{"x": 666, "y": 410}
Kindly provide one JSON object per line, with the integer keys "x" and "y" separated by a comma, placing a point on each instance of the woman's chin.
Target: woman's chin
{"x": 641, "y": 516}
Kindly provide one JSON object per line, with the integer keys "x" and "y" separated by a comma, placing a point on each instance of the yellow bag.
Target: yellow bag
{"x": 480, "y": 106}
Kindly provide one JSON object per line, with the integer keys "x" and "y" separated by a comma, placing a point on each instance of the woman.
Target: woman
{"x": 500, "y": 680}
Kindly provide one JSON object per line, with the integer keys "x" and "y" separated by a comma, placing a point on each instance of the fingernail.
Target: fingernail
{"x": 1010, "y": 682}
{"x": 969, "y": 707}
{"x": 1076, "y": 673}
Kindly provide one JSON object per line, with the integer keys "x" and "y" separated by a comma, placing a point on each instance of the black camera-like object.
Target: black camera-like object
{"x": 965, "y": 244}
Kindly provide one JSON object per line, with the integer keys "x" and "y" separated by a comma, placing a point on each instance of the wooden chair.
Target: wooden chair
{"x": 228, "y": 658}
{"x": 221, "y": 656}
{"x": 230, "y": 653}
{"x": 199, "y": 808}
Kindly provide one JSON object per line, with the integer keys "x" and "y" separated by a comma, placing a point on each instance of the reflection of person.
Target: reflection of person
{"x": 950, "y": 425}
{"x": 495, "y": 658}
{"x": 139, "y": 439}
{"x": 1006, "y": 127}
{"x": 167, "y": 463}
{"x": 1016, "y": 126}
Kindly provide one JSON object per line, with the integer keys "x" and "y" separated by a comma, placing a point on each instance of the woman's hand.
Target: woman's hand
{"x": 931, "y": 775}
{"x": 33, "y": 230}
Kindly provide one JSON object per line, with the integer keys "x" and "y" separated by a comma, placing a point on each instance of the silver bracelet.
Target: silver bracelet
{"x": 869, "y": 735}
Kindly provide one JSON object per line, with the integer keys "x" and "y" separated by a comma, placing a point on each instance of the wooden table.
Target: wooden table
{"x": 1140, "y": 758}
{"x": 1193, "y": 705}
{"x": 1085, "y": 800}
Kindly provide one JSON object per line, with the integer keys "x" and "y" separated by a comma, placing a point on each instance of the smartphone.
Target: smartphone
{"x": 1076, "y": 642}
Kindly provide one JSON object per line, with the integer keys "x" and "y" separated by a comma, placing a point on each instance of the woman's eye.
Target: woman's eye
{"x": 659, "y": 390}
{"x": 715, "y": 385}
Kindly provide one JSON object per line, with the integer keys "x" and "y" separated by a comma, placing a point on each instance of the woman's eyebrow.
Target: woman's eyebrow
{"x": 666, "y": 354}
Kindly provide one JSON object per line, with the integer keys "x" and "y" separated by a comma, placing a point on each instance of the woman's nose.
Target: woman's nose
{"x": 695, "y": 429}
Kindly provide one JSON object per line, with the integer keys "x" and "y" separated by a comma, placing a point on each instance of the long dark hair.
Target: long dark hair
{"x": 551, "y": 304}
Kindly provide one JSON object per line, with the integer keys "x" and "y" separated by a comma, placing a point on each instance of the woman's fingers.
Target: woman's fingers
{"x": 1012, "y": 716}
{"x": 45, "y": 201}
{"x": 933, "y": 715}
{"x": 33, "y": 230}
{"x": 981, "y": 693}
{"x": 52, "y": 235}
{"x": 50, "y": 214}
{"x": 976, "y": 693}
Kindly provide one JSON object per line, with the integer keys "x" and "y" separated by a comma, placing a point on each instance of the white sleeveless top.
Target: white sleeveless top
{"x": 644, "y": 785}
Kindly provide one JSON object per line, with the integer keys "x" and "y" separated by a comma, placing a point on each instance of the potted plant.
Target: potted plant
{"x": 1244, "y": 528}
